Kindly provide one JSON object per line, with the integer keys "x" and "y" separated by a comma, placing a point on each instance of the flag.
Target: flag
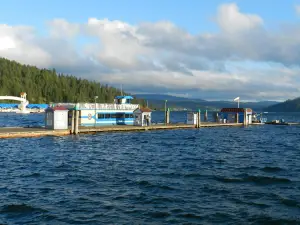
{"x": 236, "y": 99}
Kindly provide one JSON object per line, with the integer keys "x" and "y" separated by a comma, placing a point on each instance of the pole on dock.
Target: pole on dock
{"x": 76, "y": 121}
{"x": 73, "y": 122}
{"x": 245, "y": 117}
{"x": 199, "y": 119}
{"x": 237, "y": 118}
{"x": 166, "y": 122}
{"x": 205, "y": 116}
{"x": 95, "y": 110}
{"x": 217, "y": 118}
{"x": 167, "y": 116}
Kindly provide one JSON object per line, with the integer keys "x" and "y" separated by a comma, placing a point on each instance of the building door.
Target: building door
{"x": 120, "y": 118}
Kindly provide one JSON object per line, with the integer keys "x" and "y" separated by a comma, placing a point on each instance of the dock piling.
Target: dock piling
{"x": 216, "y": 117}
{"x": 198, "y": 119}
{"x": 237, "y": 118}
{"x": 167, "y": 117}
{"x": 245, "y": 118}
{"x": 76, "y": 122}
{"x": 205, "y": 116}
{"x": 73, "y": 122}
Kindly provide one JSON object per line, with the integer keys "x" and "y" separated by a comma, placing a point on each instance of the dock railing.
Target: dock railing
{"x": 100, "y": 106}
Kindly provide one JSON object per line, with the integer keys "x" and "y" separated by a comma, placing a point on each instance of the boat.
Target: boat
{"x": 278, "y": 122}
{"x": 120, "y": 112}
{"x": 259, "y": 118}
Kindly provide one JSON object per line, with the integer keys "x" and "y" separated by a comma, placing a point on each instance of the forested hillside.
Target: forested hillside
{"x": 195, "y": 104}
{"x": 287, "y": 106}
{"x": 45, "y": 86}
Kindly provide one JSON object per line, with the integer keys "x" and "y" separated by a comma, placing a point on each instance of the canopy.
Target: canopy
{"x": 123, "y": 97}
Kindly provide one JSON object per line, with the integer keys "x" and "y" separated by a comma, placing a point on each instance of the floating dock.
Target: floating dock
{"x": 283, "y": 123}
{"x": 24, "y": 132}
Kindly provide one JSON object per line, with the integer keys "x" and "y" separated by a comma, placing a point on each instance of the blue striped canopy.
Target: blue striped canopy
{"x": 29, "y": 106}
{"x": 123, "y": 97}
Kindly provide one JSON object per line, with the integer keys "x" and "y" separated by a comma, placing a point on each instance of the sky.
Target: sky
{"x": 213, "y": 50}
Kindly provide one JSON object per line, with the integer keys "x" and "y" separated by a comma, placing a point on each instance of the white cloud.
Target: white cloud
{"x": 19, "y": 43}
{"x": 230, "y": 19}
{"x": 60, "y": 28}
{"x": 162, "y": 57}
{"x": 297, "y": 8}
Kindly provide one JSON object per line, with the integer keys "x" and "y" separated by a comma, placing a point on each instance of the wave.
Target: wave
{"x": 32, "y": 175}
{"x": 20, "y": 208}
{"x": 272, "y": 169}
{"x": 290, "y": 202}
{"x": 262, "y": 180}
{"x": 147, "y": 184}
{"x": 267, "y": 220}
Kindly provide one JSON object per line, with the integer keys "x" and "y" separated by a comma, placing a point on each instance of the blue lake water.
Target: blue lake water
{"x": 237, "y": 175}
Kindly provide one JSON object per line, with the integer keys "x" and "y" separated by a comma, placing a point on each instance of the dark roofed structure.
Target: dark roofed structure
{"x": 236, "y": 110}
{"x": 145, "y": 109}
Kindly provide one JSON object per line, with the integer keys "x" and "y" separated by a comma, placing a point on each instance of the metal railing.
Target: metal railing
{"x": 100, "y": 106}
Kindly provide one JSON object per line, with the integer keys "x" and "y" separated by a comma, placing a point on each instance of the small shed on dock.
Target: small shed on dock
{"x": 191, "y": 118}
{"x": 142, "y": 117}
{"x": 233, "y": 115}
{"x": 56, "y": 118}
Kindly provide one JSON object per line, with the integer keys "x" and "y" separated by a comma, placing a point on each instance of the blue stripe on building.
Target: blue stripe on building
{"x": 106, "y": 124}
{"x": 29, "y": 106}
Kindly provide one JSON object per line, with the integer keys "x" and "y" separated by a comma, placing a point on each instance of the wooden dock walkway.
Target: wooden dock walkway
{"x": 23, "y": 132}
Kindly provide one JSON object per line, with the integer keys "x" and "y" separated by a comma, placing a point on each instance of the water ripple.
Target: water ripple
{"x": 207, "y": 176}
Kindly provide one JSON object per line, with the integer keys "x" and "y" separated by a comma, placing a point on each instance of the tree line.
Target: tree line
{"x": 46, "y": 86}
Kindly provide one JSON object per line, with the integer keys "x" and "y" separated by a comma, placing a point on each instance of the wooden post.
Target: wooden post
{"x": 245, "y": 117}
{"x": 76, "y": 122}
{"x": 199, "y": 119}
{"x": 237, "y": 117}
{"x": 73, "y": 122}
{"x": 217, "y": 118}
{"x": 205, "y": 116}
{"x": 167, "y": 116}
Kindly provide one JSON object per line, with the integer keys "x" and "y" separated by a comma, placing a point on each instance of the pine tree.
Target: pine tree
{"x": 46, "y": 86}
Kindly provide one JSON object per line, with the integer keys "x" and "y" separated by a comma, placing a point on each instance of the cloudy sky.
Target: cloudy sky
{"x": 201, "y": 49}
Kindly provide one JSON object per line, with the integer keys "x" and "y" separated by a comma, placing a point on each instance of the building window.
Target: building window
{"x": 129, "y": 115}
{"x": 107, "y": 116}
{"x": 100, "y": 116}
{"x": 120, "y": 115}
{"x": 113, "y": 115}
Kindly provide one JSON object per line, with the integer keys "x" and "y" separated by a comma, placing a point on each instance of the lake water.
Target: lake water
{"x": 237, "y": 175}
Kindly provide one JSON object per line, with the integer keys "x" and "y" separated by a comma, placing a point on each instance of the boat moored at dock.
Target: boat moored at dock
{"x": 121, "y": 112}
{"x": 259, "y": 118}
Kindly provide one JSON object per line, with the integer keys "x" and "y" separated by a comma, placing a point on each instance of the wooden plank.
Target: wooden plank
{"x": 19, "y": 132}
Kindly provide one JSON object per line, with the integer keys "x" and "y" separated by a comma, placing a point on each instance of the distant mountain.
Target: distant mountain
{"x": 194, "y": 104}
{"x": 164, "y": 97}
{"x": 256, "y": 106}
{"x": 287, "y": 106}
{"x": 174, "y": 102}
